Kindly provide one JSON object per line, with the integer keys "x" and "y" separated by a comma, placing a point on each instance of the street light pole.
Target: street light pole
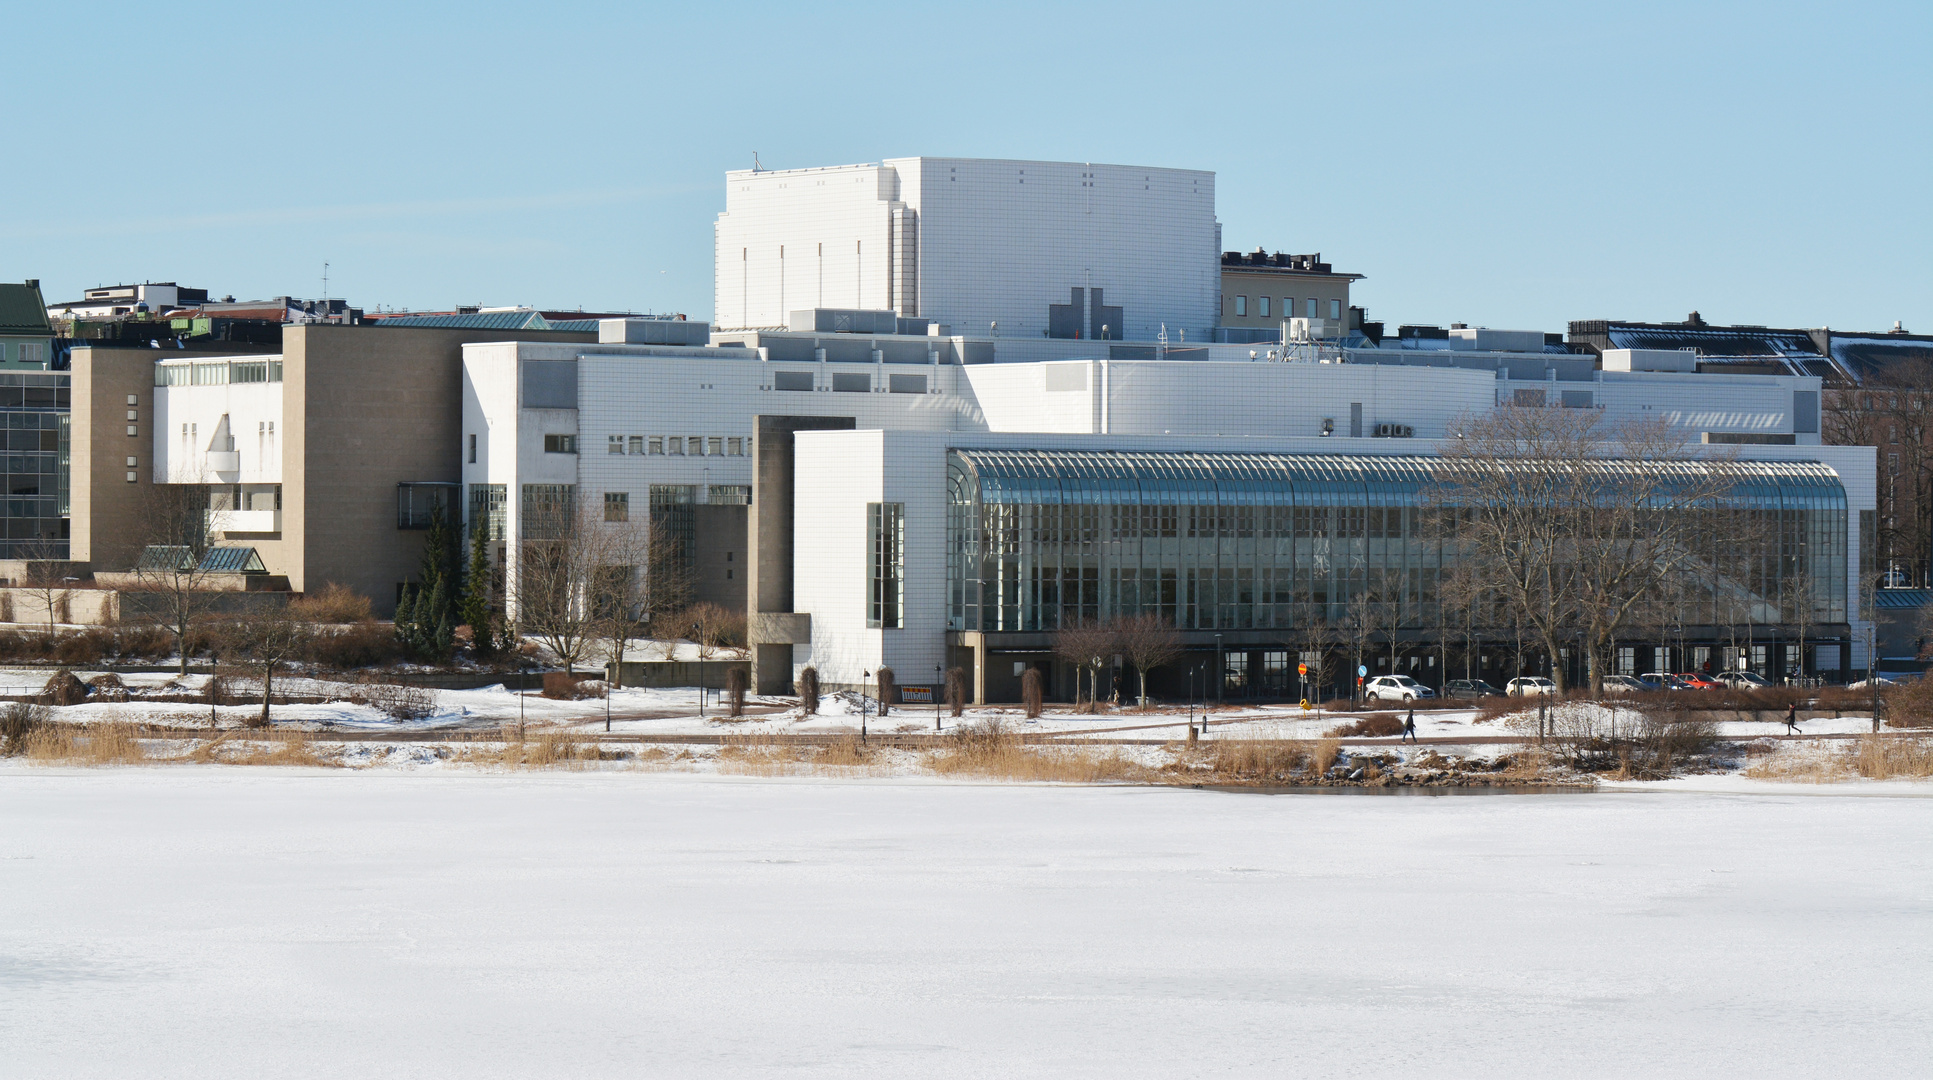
{"x": 701, "y": 671}
{"x": 1221, "y": 672}
{"x": 936, "y": 698}
{"x": 865, "y": 677}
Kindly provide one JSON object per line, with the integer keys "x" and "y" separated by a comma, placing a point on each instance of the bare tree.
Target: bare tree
{"x": 1572, "y": 524}
{"x": 639, "y": 576}
{"x": 267, "y": 638}
{"x": 1080, "y": 644}
{"x": 47, "y": 578}
{"x": 1148, "y": 641}
{"x": 172, "y": 579}
{"x": 1364, "y": 617}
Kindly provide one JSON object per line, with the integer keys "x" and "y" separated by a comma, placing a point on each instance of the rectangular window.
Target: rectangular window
{"x": 1311, "y": 309}
{"x": 417, "y": 504}
{"x": 546, "y": 510}
{"x": 487, "y": 509}
{"x": 560, "y": 444}
{"x": 1241, "y": 305}
{"x": 791, "y": 380}
{"x": 673, "y": 518}
{"x": 885, "y": 564}
{"x": 656, "y": 443}
{"x": 617, "y": 506}
{"x": 730, "y": 495}
{"x": 906, "y": 384}
{"x": 715, "y": 446}
{"x": 677, "y": 445}
{"x": 735, "y": 447}
{"x": 614, "y": 444}
{"x": 1288, "y": 307}
{"x": 473, "y": 449}
{"x": 1262, "y": 306}
{"x": 695, "y": 445}
{"x": 1528, "y": 398}
{"x": 1335, "y": 309}
{"x": 851, "y": 383}
{"x": 637, "y": 444}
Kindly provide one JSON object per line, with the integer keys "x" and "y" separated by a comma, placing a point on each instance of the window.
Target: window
{"x": 1241, "y": 305}
{"x": 560, "y": 444}
{"x": 1262, "y": 306}
{"x": 656, "y": 443}
{"x": 1288, "y": 307}
{"x": 885, "y": 564}
{"x": 614, "y": 444}
{"x": 473, "y": 449}
{"x": 906, "y": 384}
{"x": 1311, "y": 308}
{"x": 730, "y": 495}
{"x": 735, "y": 447}
{"x": 677, "y": 446}
{"x": 1528, "y": 398}
{"x": 1335, "y": 309}
{"x": 791, "y": 380}
{"x": 133, "y": 400}
{"x": 417, "y": 505}
{"x": 695, "y": 444}
{"x": 637, "y": 444}
{"x": 486, "y": 509}
{"x": 716, "y": 447}
{"x": 617, "y": 506}
{"x": 673, "y": 517}
{"x": 546, "y": 510}
{"x": 852, "y": 383}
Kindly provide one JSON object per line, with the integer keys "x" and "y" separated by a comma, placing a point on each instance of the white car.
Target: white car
{"x": 1395, "y": 688}
{"x": 1529, "y": 686}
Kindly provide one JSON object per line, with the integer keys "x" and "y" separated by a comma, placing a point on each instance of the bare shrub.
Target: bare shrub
{"x": 1881, "y": 758}
{"x": 358, "y": 645}
{"x": 888, "y": 689}
{"x": 142, "y": 640}
{"x": 1373, "y": 726}
{"x": 399, "y": 701}
{"x": 65, "y": 688}
{"x": 85, "y": 647}
{"x": 19, "y": 720}
{"x": 566, "y": 686}
{"x": 333, "y": 603}
{"x": 736, "y": 683}
{"x": 847, "y": 752}
{"x": 89, "y": 744}
{"x": 1252, "y": 760}
{"x": 808, "y": 688}
{"x": 956, "y": 691}
{"x": 1031, "y": 692}
{"x": 1324, "y": 757}
{"x": 107, "y": 687}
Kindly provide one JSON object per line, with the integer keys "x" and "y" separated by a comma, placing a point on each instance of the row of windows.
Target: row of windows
{"x": 1311, "y": 306}
{"x": 675, "y": 445}
{"x": 217, "y": 373}
{"x": 617, "y": 504}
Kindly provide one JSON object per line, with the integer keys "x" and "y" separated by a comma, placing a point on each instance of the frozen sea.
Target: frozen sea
{"x": 224, "y": 922}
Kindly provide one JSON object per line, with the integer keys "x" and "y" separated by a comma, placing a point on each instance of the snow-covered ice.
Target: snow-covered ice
{"x": 205, "y": 922}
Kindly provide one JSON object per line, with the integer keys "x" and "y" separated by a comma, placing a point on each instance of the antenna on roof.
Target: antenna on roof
{"x": 325, "y": 281}
{"x": 755, "y": 164}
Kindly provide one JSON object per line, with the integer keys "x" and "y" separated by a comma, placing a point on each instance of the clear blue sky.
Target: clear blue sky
{"x": 1513, "y": 165}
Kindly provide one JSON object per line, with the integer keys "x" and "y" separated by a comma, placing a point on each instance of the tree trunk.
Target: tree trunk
{"x": 268, "y": 682}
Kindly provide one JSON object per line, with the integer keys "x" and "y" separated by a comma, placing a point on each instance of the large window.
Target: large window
{"x": 1241, "y": 305}
{"x": 617, "y": 506}
{"x": 885, "y": 564}
{"x": 417, "y": 504}
{"x": 673, "y": 518}
{"x": 546, "y": 510}
{"x": 487, "y": 509}
{"x": 1262, "y": 306}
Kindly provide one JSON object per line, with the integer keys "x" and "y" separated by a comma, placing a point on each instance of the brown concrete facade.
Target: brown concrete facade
{"x": 722, "y": 556}
{"x": 770, "y": 534}
{"x": 1255, "y": 282}
{"x": 364, "y": 408}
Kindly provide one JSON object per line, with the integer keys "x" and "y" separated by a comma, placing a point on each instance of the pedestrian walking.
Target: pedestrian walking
{"x": 1409, "y": 725}
{"x": 1792, "y": 719}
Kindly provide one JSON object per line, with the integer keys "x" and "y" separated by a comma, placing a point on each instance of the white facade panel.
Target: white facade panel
{"x": 223, "y": 434}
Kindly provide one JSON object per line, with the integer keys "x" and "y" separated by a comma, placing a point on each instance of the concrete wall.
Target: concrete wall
{"x": 1255, "y": 283}
{"x": 108, "y": 526}
{"x": 723, "y": 556}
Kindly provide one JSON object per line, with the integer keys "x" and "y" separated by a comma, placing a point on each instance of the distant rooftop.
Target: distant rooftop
{"x": 1846, "y": 358}
{"x": 1262, "y": 260}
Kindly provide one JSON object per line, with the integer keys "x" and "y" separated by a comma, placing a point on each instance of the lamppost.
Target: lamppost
{"x": 1094, "y": 683}
{"x": 1221, "y": 670}
{"x": 936, "y": 698}
{"x": 701, "y": 672}
{"x": 864, "y": 678}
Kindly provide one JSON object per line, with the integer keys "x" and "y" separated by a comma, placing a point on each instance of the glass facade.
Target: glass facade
{"x": 35, "y": 408}
{"x": 1039, "y": 539}
{"x": 885, "y": 564}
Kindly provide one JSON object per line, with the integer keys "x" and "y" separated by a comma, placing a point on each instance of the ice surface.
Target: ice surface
{"x": 206, "y": 922}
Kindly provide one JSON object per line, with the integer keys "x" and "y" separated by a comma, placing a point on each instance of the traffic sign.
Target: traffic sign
{"x": 1361, "y": 670}
{"x": 1302, "y": 670}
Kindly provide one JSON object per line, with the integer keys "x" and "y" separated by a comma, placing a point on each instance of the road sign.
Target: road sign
{"x": 1302, "y": 670}
{"x": 1361, "y": 670}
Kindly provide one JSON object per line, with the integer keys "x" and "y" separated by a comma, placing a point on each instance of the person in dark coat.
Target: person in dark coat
{"x": 1792, "y": 719}
{"x": 1409, "y": 725}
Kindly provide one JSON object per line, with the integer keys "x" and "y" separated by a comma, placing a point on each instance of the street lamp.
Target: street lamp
{"x": 936, "y": 698}
{"x": 701, "y": 672}
{"x": 864, "y": 678}
{"x": 1221, "y": 669}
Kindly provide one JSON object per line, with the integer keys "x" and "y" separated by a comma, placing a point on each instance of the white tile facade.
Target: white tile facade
{"x": 971, "y": 242}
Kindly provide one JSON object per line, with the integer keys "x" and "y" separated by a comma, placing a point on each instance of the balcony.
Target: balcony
{"x": 246, "y": 521}
{"x": 224, "y": 461}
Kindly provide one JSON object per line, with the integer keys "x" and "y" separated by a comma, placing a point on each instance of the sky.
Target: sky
{"x": 1505, "y": 165}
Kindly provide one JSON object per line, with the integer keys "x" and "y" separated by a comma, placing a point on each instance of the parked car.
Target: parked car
{"x": 1395, "y": 688}
{"x": 1742, "y": 680}
{"x": 1695, "y": 681}
{"x": 1529, "y": 686}
{"x": 1470, "y": 688}
{"x": 1662, "y": 680}
{"x": 1625, "y": 684}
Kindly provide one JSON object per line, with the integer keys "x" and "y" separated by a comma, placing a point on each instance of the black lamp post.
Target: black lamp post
{"x": 1221, "y": 669}
{"x": 936, "y": 698}
{"x": 701, "y": 671}
{"x": 865, "y": 677}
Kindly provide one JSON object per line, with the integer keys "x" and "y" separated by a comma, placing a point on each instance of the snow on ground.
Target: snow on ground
{"x": 201, "y": 922}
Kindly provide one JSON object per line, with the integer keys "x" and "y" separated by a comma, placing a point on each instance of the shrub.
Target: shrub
{"x": 808, "y": 688}
{"x": 108, "y": 687}
{"x": 142, "y": 640}
{"x": 735, "y": 687}
{"x": 1374, "y": 726}
{"x": 956, "y": 690}
{"x": 65, "y": 688}
{"x": 84, "y": 647}
{"x": 357, "y": 645}
{"x": 18, "y": 721}
{"x": 332, "y": 604}
{"x": 566, "y": 686}
{"x": 1031, "y": 692}
{"x": 1258, "y": 759}
{"x": 888, "y": 689}
{"x": 399, "y": 701}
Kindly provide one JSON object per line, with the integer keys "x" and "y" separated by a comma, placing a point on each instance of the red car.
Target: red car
{"x": 1695, "y": 681}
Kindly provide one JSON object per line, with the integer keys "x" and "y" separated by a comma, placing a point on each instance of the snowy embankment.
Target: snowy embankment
{"x": 202, "y": 922}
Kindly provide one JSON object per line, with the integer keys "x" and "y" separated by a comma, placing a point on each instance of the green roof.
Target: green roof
{"x": 22, "y": 311}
